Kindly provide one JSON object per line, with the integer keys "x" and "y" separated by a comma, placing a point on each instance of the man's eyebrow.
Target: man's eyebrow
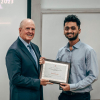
{"x": 69, "y": 27}
{"x": 72, "y": 26}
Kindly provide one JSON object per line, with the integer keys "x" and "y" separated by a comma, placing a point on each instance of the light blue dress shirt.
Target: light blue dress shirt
{"x": 26, "y": 45}
{"x": 84, "y": 67}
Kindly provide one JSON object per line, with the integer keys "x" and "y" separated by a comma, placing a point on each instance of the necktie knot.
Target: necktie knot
{"x": 29, "y": 46}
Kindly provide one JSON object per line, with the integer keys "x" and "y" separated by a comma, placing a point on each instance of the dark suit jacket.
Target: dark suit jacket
{"x": 23, "y": 73}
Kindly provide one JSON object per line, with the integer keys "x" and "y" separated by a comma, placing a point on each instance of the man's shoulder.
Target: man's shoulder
{"x": 13, "y": 48}
{"x": 34, "y": 45}
{"x": 15, "y": 44}
{"x": 86, "y": 46}
{"x": 62, "y": 48}
{"x": 87, "y": 49}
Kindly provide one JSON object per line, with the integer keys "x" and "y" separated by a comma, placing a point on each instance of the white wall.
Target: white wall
{"x": 52, "y": 4}
{"x": 10, "y": 18}
{"x": 53, "y": 38}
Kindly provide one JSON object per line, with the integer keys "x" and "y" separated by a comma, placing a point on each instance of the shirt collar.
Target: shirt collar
{"x": 24, "y": 42}
{"x": 77, "y": 45}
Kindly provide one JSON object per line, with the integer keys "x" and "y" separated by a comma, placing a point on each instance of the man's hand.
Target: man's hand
{"x": 44, "y": 82}
{"x": 41, "y": 60}
{"x": 65, "y": 87}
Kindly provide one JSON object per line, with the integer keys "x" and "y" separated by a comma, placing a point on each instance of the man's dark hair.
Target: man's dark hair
{"x": 72, "y": 18}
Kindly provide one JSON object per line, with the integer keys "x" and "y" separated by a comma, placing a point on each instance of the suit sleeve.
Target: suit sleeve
{"x": 13, "y": 63}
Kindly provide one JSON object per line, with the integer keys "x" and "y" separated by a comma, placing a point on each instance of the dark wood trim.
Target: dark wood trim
{"x": 29, "y": 9}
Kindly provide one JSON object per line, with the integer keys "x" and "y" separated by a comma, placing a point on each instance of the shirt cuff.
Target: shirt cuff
{"x": 72, "y": 87}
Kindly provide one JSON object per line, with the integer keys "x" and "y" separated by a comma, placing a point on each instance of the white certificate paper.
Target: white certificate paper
{"x": 55, "y": 71}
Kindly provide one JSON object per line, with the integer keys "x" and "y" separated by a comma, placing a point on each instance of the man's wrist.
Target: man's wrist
{"x": 72, "y": 87}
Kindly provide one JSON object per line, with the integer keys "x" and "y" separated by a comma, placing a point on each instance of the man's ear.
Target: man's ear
{"x": 19, "y": 29}
{"x": 64, "y": 30}
{"x": 79, "y": 31}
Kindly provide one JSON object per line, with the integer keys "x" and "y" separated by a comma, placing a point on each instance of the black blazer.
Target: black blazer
{"x": 23, "y": 73}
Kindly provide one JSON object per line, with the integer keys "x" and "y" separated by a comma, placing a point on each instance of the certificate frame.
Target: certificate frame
{"x": 55, "y": 71}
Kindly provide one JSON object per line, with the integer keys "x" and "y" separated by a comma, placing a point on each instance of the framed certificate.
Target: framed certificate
{"x": 55, "y": 71}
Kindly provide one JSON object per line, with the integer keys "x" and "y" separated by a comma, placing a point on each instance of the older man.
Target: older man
{"x": 22, "y": 61}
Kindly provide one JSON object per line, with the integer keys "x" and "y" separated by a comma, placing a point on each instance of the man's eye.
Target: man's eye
{"x": 27, "y": 28}
{"x": 67, "y": 28}
{"x": 33, "y": 29}
{"x": 73, "y": 28}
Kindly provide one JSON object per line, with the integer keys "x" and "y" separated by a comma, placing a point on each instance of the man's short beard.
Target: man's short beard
{"x": 74, "y": 38}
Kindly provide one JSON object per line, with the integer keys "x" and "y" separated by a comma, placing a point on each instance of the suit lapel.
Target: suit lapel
{"x": 25, "y": 50}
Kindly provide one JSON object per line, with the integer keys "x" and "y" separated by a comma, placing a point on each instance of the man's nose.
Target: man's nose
{"x": 70, "y": 30}
{"x": 30, "y": 31}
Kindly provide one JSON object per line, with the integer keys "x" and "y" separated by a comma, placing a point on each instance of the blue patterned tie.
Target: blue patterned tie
{"x": 33, "y": 54}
